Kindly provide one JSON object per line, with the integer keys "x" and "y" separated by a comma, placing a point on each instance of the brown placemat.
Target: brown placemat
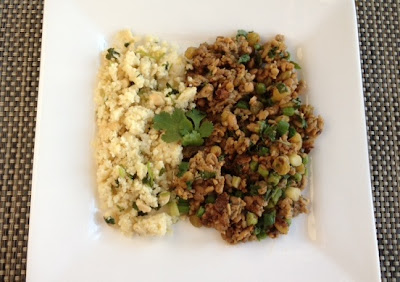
{"x": 20, "y": 39}
{"x": 379, "y": 34}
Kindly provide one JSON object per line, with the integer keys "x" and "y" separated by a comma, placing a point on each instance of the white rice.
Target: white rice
{"x": 132, "y": 88}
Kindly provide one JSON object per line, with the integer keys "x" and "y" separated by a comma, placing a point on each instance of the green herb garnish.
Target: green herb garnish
{"x": 162, "y": 171}
{"x": 241, "y": 32}
{"x": 244, "y": 59}
{"x": 166, "y": 65}
{"x": 242, "y": 105}
{"x": 282, "y": 88}
{"x": 111, "y": 54}
{"x": 178, "y": 127}
{"x": 173, "y": 91}
{"x": 109, "y": 220}
{"x": 296, "y": 65}
{"x": 272, "y": 52}
{"x": 183, "y": 167}
{"x": 149, "y": 179}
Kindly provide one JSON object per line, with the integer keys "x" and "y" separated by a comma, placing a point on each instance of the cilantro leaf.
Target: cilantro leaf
{"x": 196, "y": 116}
{"x": 185, "y": 126}
{"x": 173, "y": 125}
{"x": 192, "y": 139}
{"x": 162, "y": 120}
{"x": 183, "y": 167}
{"x": 171, "y": 136}
{"x": 178, "y": 127}
{"x": 206, "y": 128}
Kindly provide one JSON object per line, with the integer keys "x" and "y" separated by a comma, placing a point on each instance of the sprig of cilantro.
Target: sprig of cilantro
{"x": 186, "y": 128}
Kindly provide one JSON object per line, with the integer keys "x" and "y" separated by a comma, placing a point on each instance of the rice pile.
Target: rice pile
{"x": 138, "y": 78}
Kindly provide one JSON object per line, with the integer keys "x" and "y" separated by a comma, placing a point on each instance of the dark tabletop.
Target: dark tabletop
{"x": 20, "y": 41}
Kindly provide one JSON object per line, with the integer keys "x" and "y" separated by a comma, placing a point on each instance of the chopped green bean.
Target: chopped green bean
{"x": 269, "y": 219}
{"x": 276, "y": 195}
{"x": 274, "y": 179}
{"x": 253, "y": 165}
{"x": 263, "y": 171}
{"x": 200, "y": 211}
{"x": 173, "y": 208}
{"x": 306, "y": 159}
{"x": 236, "y": 181}
{"x": 282, "y": 127}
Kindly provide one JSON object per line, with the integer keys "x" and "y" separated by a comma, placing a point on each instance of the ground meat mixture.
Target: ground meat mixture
{"x": 247, "y": 178}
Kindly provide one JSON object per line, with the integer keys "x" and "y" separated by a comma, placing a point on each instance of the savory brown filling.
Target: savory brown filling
{"x": 247, "y": 177}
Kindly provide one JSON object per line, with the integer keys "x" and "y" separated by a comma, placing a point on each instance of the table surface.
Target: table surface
{"x": 20, "y": 41}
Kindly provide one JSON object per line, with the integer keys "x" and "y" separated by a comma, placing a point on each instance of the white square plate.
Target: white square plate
{"x": 68, "y": 239}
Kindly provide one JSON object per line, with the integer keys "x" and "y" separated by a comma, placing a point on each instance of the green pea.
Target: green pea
{"x": 297, "y": 177}
{"x": 251, "y": 219}
{"x": 288, "y": 111}
{"x": 261, "y": 88}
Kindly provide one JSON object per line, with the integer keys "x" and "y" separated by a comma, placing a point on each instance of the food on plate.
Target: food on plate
{"x": 138, "y": 78}
{"x": 246, "y": 180}
{"x": 218, "y": 134}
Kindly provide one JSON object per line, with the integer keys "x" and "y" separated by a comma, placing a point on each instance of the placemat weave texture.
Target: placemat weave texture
{"x": 20, "y": 40}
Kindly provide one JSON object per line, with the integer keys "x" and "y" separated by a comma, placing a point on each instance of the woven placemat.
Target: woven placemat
{"x": 378, "y": 24}
{"x": 20, "y": 39}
